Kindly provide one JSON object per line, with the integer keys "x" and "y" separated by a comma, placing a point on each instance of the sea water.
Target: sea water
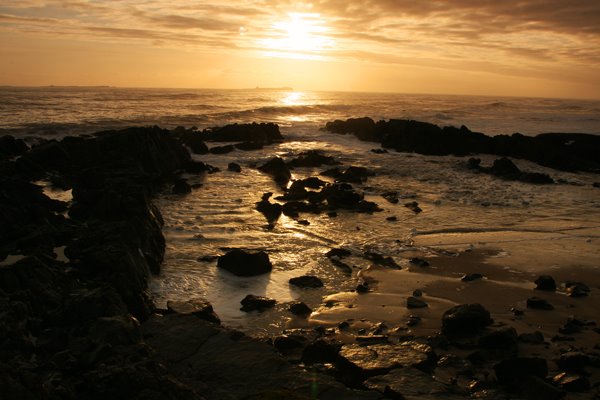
{"x": 559, "y": 224}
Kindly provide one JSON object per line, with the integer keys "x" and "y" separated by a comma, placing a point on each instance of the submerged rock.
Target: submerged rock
{"x": 260, "y": 303}
{"x": 243, "y": 263}
{"x": 538, "y": 303}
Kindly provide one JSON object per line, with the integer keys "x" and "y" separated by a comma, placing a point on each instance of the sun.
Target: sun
{"x": 302, "y": 35}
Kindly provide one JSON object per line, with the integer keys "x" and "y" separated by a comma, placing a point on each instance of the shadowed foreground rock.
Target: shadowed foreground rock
{"x": 243, "y": 263}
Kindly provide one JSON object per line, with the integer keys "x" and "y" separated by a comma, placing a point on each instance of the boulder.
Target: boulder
{"x": 306, "y": 281}
{"x": 278, "y": 169}
{"x": 198, "y": 307}
{"x": 260, "y": 303}
{"x": 546, "y": 283}
{"x": 465, "y": 319}
{"x": 299, "y": 308}
{"x": 243, "y": 263}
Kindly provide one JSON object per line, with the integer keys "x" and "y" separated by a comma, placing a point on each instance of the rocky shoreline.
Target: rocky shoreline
{"x": 76, "y": 321}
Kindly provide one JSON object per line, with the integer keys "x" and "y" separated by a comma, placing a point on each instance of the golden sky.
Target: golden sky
{"x": 546, "y": 48}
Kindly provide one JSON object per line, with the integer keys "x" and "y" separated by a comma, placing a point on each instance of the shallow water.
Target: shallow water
{"x": 461, "y": 210}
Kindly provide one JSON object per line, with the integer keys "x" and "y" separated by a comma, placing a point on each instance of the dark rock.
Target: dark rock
{"x": 256, "y": 133}
{"x": 419, "y": 262}
{"x": 465, "y": 319}
{"x": 339, "y": 252}
{"x": 515, "y": 370}
{"x": 471, "y": 277}
{"x": 413, "y": 320}
{"x": 306, "y": 281}
{"x": 311, "y": 158}
{"x": 354, "y": 174}
{"x": 362, "y": 128}
{"x": 207, "y": 258}
{"x": 381, "y": 260}
{"x": 417, "y": 293}
{"x": 573, "y": 361}
{"x": 532, "y": 338}
{"x": 304, "y": 222}
{"x": 372, "y": 339}
{"x": 341, "y": 265}
{"x": 474, "y": 163}
{"x": 362, "y": 288}
{"x": 11, "y": 147}
{"x": 343, "y": 325}
{"x": 242, "y": 263}
{"x": 271, "y": 211}
{"x": 572, "y": 382}
{"x": 413, "y": 302}
{"x": 545, "y": 282}
{"x": 277, "y": 168}
{"x": 286, "y": 343}
{"x": 392, "y": 197}
{"x": 249, "y": 146}
{"x": 196, "y": 167}
{"x": 321, "y": 351}
{"x": 536, "y": 388}
{"x": 181, "y": 186}
{"x": 501, "y": 342}
{"x": 576, "y": 289}
{"x": 413, "y": 206}
{"x": 221, "y": 149}
{"x": 332, "y": 214}
{"x": 537, "y": 303}
{"x": 198, "y": 307}
{"x": 191, "y": 139}
{"x": 234, "y": 167}
{"x": 299, "y": 308}
{"x": 392, "y": 219}
{"x": 341, "y": 195}
{"x": 252, "y": 303}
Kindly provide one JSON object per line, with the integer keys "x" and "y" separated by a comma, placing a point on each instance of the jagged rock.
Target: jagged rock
{"x": 299, "y": 308}
{"x": 545, "y": 282}
{"x": 465, "y": 319}
{"x": 277, "y": 168}
{"x": 234, "y": 167}
{"x": 514, "y": 370}
{"x": 413, "y": 302}
{"x": 198, "y": 307}
{"x": 180, "y": 186}
{"x": 306, "y": 281}
{"x": 242, "y": 263}
{"x": 363, "y": 128}
{"x": 11, "y": 147}
{"x": 392, "y": 197}
{"x": 379, "y": 358}
{"x": 256, "y": 133}
{"x": 191, "y": 139}
{"x": 311, "y": 158}
{"x": 252, "y": 303}
{"x": 538, "y": 303}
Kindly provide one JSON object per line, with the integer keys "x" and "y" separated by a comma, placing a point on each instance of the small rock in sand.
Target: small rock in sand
{"x": 471, "y": 277}
{"x": 252, "y": 302}
{"x": 306, "y": 281}
{"x": 545, "y": 282}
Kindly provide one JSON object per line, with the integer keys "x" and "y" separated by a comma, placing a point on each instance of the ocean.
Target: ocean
{"x": 522, "y": 229}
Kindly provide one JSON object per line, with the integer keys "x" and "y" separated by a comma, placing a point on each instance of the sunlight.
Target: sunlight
{"x": 302, "y": 36}
{"x": 292, "y": 98}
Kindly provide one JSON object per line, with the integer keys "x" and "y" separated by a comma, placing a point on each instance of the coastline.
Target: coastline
{"x": 113, "y": 177}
